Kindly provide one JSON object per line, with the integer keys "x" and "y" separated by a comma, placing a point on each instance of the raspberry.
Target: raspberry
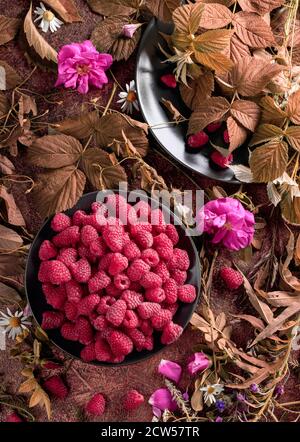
{"x": 137, "y": 269}
{"x": 164, "y": 246}
{"x": 149, "y": 343}
{"x": 156, "y": 294}
{"x": 102, "y": 350}
{"x": 130, "y": 319}
{"x": 60, "y": 222}
{"x": 97, "y": 248}
{"x": 67, "y": 256}
{"x": 169, "y": 80}
{"x": 180, "y": 260}
{"x": 232, "y": 278}
{"x": 74, "y": 291}
{"x": 135, "y": 286}
{"x": 221, "y": 161}
{"x": 84, "y": 252}
{"x": 105, "y": 261}
{"x": 69, "y": 331}
{"x": 104, "y": 304}
{"x": 97, "y": 206}
{"x": 170, "y": 288}
{"x": 143, "y": 211}
{"x": 84, "y": 329}
{"x": 171, "y": 307}
{"x": 144, "y": 239}
{"x": 112, "y": 235}
{"x": 52, "y": 320}
{"x": 117, "y": 359}
{"x": 87, "y": 304}
{"x": 115, "y": 314}
{"x": 55, "y": 296}
{"x": 88, "y": 354}
{"x": 137, "y": 338}
{"x": 132, "y": 400}
{"x": 47, "y": 251}
{"x": 81, "y": 270}
{"x": 53, "y": 271}
{"x": 120, "y": 343}
{"x": 67, "y": 238}
{"x": 79, "y": 217}
{"x": 146, "y": 327}
{"x": 121, "y": 281}
{"x": 98, "y": 282}
{"x": 96, "y": 405}
{"x": 112, "y": 290}
{"x": 88, "y": 235}
{"x": 104, "y": 334}
{"x": 56, "y": 387}
{"x": 100, "y": 323}
{"x": 150, "y": 256}
{"x": 186, "y": 293}
{"x": 140, "y": 228}
{"x": 213, "y": 127}
{"x": 118, "y": 264}
{"x": 131, "y": 250}
{"x": 162, "y": 271}
{"x": 198, "y": 139}
{"x": 158, "y": 221}
{"x": 172, "y": 233}
{"x": 71, "y": 310}
{"x": 150, "y": 280}
{"x": 13, "y": 417}
{"x": 116, "y": 204}
{"x": 171, "y": 333}
{"x": 226, "y": 136}
{"x": 132, "y": 298}
{"x": 161, "y": 318}
{"x": 179, "y": 276}
{"x": 147, "y": 309}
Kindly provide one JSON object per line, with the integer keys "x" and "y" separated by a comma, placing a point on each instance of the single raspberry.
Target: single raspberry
{"x": 146, "y": 327}
{"x": 98, "y": 282}
{"x": 226, "y": 136}
{"x": 213, "y": 127}
{"x": 158, "y": 221}
{"x": 52, "y": 320}
{"x": 126, "y": 238}
{"x": 100, "y": 323}
{"x": 84, "y": 252}
{"x": 88, "y": 354}
{"x": 67, "y": 238}
{"x": 144, "y": 239}
{"x": 121, "y": 281}
{"x": 99, "y": 207}
{"x": 138, "y": 228}
{"x": 74, "y": 291}
{"x": 171, "y": 333}
{"x": 232, "y": 278}
{"x": 180, "y": 260}
{"x": 116, "y": 204}
{"x": 156, "y": 294}
{"x": 71, "y": 311}
{"x": 164, "y": 246}
{"x": 170, "y": 288}
{"x": 95, "y": 220}
{"x": 172, "y": 233}
{"x": 87, "y": 304}
{"x": 55, "y": 296}
{"x": 81, "y": 270}
{"x": 150, "y": 280}
{"x": 186, "y": 293}
{"x": 198, "y": 139}
{"x": 104, "y": 304}
{"x": 105, "y": 261}
{"x": 161, "y": 318}
{"x": 84, "y": 329}
{"x": 67, "y": 255}
{"x": 162, "y": 270}
{"x": 169, "y": 80}
{"x": 147, "y": 309}
{"x": 14, "y": 417}
{"x": 69, "y": 331}
{"x": 88, "y": 235}
{"x": 131, "y": 251}
{"x": 130, "y": 319}
{"x": 137, "y": 337}
{"x": 60, "y": 222}
{"x": 113, "y": 237}
{"x": 149, "y": 343}
{"x": 171, "y": 307}
{"x": 102, "y": 350}
{"x": 132, "y": 298}
{"x": 143, "y": 211}
{"x": 51, "y": 365}
{"x": 79, "y": 217}
{"x": 117, "y": 359}
{"x": 118, "y": 264}
{"x": 137, "y": 269}
{"x": 120, "y": 343}
{"x": 116, "y": 313}
{"x": 54, "y": 271}
{"x": 97, "y": 248}
{"x": 132, "y": 400}
{"x": 135, "y": 286}
{"x": 96, "y": 405}
{"x": 221, "y": 161}
{"x": 56, "y": 387}
{"x": 105, "y": 334}
{"x": 112, "y": 290}
{"x": 179, "y": 276}
{"x": 150, "y": 256}
{"x": 47, "y": 251}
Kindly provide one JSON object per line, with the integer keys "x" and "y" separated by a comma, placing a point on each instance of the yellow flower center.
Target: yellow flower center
{"x": 210, "y": 390}
{"x": 131, "y": 97}
{"x": 15, "y": 322}
{"x": 48, "y": 16}
{"x": 228, "y": 226}
{"x": 82, "y": 69}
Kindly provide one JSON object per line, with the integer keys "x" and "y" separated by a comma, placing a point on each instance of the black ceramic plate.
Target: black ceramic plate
{"x": 149, "y": 69}
{"x": 38, "y": 303}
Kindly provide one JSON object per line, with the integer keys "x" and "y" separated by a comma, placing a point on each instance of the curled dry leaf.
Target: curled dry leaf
{"x": 253, "y": 30}
{"x": 172, "y": 110}
{"x": 4, "y": 106}
{"x": 6, "y": 166}
{"x": 11, "y": 77}
{"x": 9, "y": 239}
{"x": 13, "y": 214}
{"x": 237, "y": 134}
{"x": 269, "y": 161}
{"x": 66, "y": 9}
{"x": 271, "y": 112}
{"x": 123, "y": 47}
{"x": 266, "y": 132}
{"x": 261, "y": 307}
{"x": 8, "y": 28}
{"x": 197, "y": 90}
{"x": 213, "y": 109}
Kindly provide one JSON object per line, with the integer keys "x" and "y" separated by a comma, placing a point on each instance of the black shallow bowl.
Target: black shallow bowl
{"x": 149, "y": 69}
{"x": 38, "y": 303}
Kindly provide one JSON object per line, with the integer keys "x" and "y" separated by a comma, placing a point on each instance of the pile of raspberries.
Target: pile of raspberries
{"x": 114, "y": 280}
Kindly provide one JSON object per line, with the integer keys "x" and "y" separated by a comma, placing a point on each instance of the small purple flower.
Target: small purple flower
{"x": 279, "y": 390}
{"x": 219, "y": 419}
{"x": 198, "y": 362}
{"x": 220, "y": 405}
{"x": 240, "y": 397}
{"x": 170, "y": 370}
{"x": 254, "y": 388}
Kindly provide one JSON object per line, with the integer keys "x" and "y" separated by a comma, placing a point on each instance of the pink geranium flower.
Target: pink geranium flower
{"x": 80, "y": 66}
{"x": 228, "y": 222}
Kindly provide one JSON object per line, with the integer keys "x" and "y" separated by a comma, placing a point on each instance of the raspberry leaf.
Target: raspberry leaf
{"x": 293, "y": 136}
{"x": 113, "y": 8}
{"x": 213, "y": 109}
{"x": 253, "y": 30}
{"x": 9, "y": 239}
{"x": 13, "y": 214}
{"x": 198, "y": 90}
{"x": 293, "y": 107}
{"x": 269, "y": 161}
{"x": 8, "y": 28}
{"x": 215, "y": 16}
{"x": 246, "y": 112}
{"x": 237, "y": 134}
{"x": 261, "y": 7}
{"x": 271, "y": 112}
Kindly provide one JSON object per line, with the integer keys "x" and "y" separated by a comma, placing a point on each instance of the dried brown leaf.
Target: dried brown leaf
{"x": 271, "y": 112}
{"x": 215, "y": 16}
{"x": 261, "y": 7}
{"x": 113, "y": 7}
{"x": 269, "y": 161}
{"x": 261, "y": 307}
{"x": 9, "y": 239}
{"x": 8, "y": 295}
{"x": 290, "y": 209}
{"x": 259, "y": 377}
{"x": 107, "y": 32}
{"x": 253, "y": 30}
{"x": 66, "y": 9}
{"x": 4, "y": 106}
{"x": 8, "y": 28}
{"x": 293, "y": 137}
{"x": 246, "y": 112}
{"x": 237, "y": 134}
{"x": 12, "y": 78}
{"x": 11, "y": 265}
{"x": 80, "y": 127}
{"x": 172, "y": 110}
{"x": 187, "y": 18}
{"x": 293, "y": 107}
{"x": 237, "y": 49}
{"x": 162, "y": 9}
{"x": 123, "y": 47}
{"x": 266, "y": 132}
{"x": 213, "y": 109}
{"x": 253, "y": 320}
{"x": 6, "y": 166}
{"x": 215, "y": 61}
{"x": 198, "y": 90}
{"x": 13, "y": 214}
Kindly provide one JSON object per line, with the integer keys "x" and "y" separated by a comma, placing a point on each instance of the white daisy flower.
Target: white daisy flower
{"x": 129, "y": 98}
{"x": 13, "y": 323}
{"x": 48, "y": 19}
{"x": 296, "y": 338}
{"x": 210, "y": 391}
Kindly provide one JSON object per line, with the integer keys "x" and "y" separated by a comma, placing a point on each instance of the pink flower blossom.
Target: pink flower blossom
{"x": 129, "y": 30}
{"x": 170, "y": 370}
{"x": 162, "y": 400}
{"x": 198, "y": 362}
{"x": 228, "y": 222}
{"x": 80, "y": 66}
